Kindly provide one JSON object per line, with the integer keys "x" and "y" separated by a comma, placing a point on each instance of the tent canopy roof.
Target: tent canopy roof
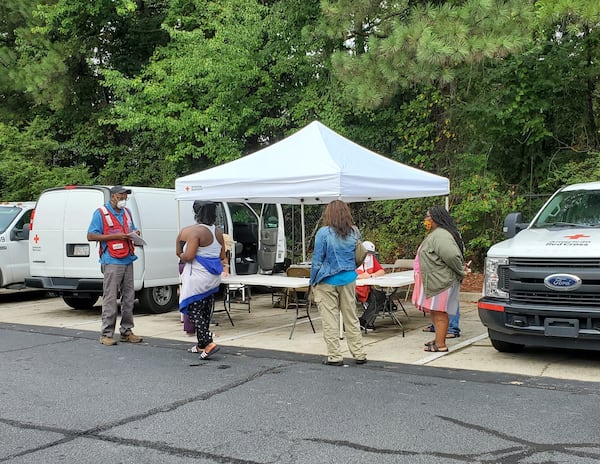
{"x": 313, "y": 166}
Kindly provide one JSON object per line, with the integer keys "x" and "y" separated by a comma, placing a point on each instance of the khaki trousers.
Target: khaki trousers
{"x": 118, "y": 279}
{"x": 331, "y": 300}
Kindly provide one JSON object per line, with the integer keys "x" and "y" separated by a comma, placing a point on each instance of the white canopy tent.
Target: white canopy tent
{"x": 313, "y": 166}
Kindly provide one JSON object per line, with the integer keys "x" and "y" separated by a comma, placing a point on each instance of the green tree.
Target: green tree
{"x": 536, "y": 111}
{"x": 23, "y": 176}
{"x": 236, "y": 75}
{"x": 394, "y": 45}
{"x": 53, "y": 55}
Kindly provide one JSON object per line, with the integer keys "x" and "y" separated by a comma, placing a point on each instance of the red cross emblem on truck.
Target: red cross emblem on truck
{"x": 36, "y": 238}
{"x": 576, "y": 236}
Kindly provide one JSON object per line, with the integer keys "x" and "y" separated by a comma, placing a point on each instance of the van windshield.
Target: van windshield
{"x": 7, "y": 216}
{"x": 571, "y": 208}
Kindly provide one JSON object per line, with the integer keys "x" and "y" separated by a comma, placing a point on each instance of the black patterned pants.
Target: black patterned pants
{"x": 199, "y": 313}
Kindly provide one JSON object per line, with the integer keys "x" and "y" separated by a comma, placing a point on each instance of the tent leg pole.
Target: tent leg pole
{"x": 303, "y": 233}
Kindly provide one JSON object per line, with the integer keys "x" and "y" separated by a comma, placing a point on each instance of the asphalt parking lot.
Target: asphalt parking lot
{"x": 65, "y": 398}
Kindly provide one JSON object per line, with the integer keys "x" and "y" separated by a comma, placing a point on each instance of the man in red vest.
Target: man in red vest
{"x": 110, "y": 226}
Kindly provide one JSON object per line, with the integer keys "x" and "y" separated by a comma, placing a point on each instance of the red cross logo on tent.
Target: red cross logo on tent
{"x": 576, "y": 236}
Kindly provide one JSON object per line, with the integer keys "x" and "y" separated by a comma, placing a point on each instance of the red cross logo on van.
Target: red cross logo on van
{"x": 36, "y": 239}
{"x": 576, "y": 236}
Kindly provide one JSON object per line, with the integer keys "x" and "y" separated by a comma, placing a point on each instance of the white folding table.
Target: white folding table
{"x": 277, "y": 281}
{"x": 391, "y": 282}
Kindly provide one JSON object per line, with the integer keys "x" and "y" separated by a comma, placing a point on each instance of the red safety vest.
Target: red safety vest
{"x": 110, "y": 225}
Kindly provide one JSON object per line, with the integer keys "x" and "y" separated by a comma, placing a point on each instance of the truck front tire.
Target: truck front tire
{"x": 77, "y": 302}
{"x": 159, "y": 300}
{"x": 506, "y": 347}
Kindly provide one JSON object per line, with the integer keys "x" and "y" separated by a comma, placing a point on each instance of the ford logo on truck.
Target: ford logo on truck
{"x": 562, "y": 282}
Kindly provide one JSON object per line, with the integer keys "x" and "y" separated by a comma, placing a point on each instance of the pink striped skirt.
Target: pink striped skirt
{"x": 445, "y": 301}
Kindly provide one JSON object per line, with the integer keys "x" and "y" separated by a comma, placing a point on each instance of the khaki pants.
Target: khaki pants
{"x": 117, "y": 278}
{"x": 331, "y": 300}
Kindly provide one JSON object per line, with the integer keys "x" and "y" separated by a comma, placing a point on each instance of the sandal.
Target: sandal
{"x": 430, "y": 343}
{"x": 211, "y": 349}
{"x": 450, "y": 335}
{"x": 429, "y": 329}
{"x": 434, "y": 348}
{"x": 194, "y": 349}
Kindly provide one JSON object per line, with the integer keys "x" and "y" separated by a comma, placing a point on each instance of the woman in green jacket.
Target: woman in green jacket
{"x": 439, "y": 269}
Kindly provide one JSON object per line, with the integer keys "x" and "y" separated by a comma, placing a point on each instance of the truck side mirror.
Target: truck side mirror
{"x": 513, "y": 225}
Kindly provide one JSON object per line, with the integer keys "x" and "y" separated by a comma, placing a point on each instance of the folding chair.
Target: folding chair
{"x": 294, "y": 293}
{"x": 229, "y": 290}
{"x": 385, "y": 307}
{"x": 238, "y": 294}
{"x": 226, "y": 304}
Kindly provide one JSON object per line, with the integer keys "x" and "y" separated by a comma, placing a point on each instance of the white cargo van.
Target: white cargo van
{"x": 542, "y": 285}
{"x": 14, "y": 246}
{"x": 63, "y": 261}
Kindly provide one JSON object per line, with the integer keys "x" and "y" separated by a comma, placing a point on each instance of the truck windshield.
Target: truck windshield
{"x": 571, "y": 208}
{"x": 7, "y": 216}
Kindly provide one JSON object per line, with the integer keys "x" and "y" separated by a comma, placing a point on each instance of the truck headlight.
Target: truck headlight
{"x": 491, "y": 283}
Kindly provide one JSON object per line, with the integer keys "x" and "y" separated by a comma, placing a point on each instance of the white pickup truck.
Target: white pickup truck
{"x": 14, "y": 245}
{"x": 542, "y": 285}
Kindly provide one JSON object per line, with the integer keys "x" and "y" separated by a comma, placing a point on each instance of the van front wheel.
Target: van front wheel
{"x": 159, "y": 300}
{"x": 77, "y": 302}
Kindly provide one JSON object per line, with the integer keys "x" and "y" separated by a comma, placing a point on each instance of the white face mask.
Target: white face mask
{"x": 121, "y": 204}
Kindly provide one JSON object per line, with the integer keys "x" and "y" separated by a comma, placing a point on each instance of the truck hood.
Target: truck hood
{"x": 550, "y": 243}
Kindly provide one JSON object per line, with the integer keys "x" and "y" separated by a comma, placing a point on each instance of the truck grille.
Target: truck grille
{"x": 553, "y": 262}
{"x": 554, "y": 298}
{"x": 524, "y": 278}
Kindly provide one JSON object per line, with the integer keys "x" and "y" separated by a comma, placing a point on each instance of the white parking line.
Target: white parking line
{"x": 460, "y": 346}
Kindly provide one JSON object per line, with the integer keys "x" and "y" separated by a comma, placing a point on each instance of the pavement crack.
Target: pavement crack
{"x": 529, "y": 448}
{"x": 486, "y": 430}
{"x": 37, "y": 347}
{"x": 518, "y": 454}
{"x": 470, "y": 458}
{"x": 177, "y": 404}
{"x": 369, "y": 449}
{"x": 174, "y": 450}
{"x": 95, "y": 433}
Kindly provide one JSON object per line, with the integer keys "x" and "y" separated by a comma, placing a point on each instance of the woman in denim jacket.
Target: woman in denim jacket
{"x": 333, "y": 277}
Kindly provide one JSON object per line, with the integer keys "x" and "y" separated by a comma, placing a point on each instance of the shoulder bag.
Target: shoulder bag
{"x": 360, "y": 252}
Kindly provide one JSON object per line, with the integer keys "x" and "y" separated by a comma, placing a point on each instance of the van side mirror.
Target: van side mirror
{"x": 513, "y": 225}
{"x": 20, "y": 234}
